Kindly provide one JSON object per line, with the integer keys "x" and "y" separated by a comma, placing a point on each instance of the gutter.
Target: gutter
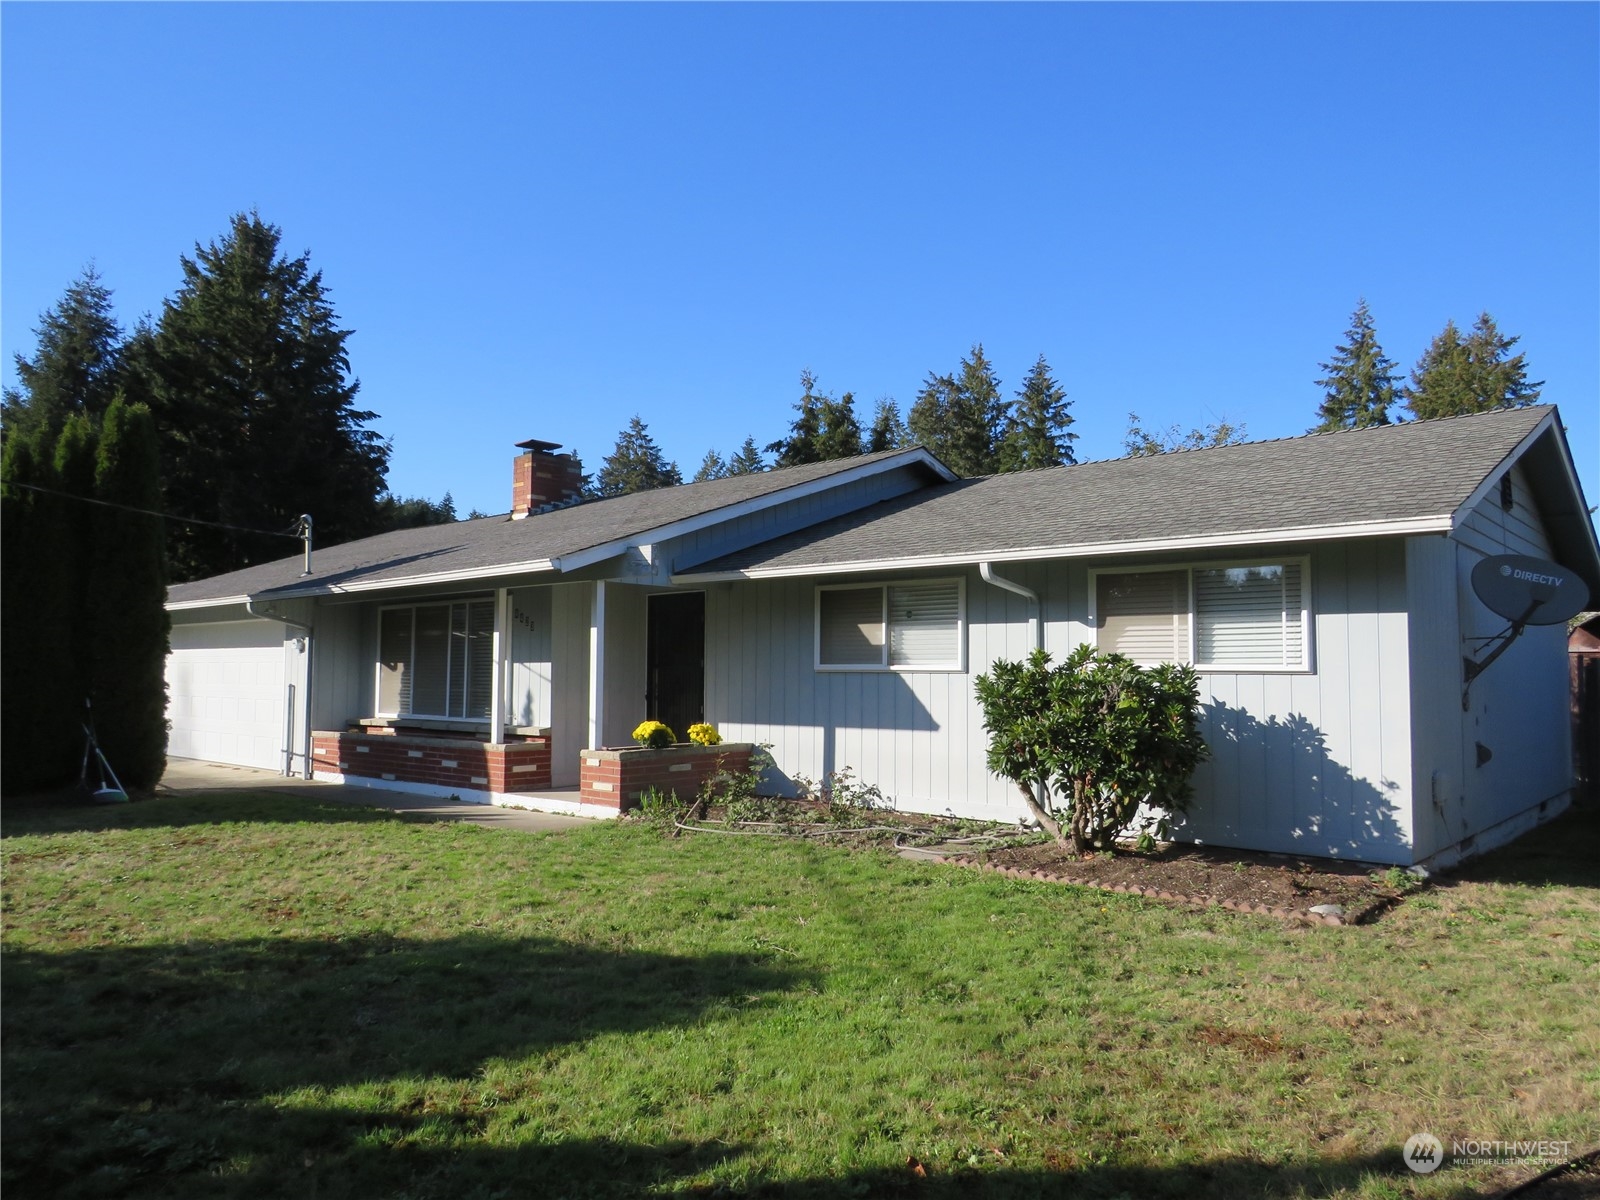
{"x": 986, "y": 570}
{"x": 288, "y": 751}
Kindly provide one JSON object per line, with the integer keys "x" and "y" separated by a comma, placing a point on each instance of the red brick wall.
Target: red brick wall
{"x": 443, "y": 762}
{"x": 617, "y": 778}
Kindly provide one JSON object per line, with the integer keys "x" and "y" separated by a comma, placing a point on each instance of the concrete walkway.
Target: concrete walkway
{"x": 191, "y": 775}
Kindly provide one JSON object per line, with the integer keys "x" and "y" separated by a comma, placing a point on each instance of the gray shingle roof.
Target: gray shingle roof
{"x": 493, "y": 544}
{"x": 1382, "y": 474}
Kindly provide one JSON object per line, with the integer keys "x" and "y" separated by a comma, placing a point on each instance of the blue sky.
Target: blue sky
{"x": 543, "y": 219}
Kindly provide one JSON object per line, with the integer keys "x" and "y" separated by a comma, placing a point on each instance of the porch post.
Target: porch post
{"x": 497, "y": 671}
{"x": 597, "y": 667}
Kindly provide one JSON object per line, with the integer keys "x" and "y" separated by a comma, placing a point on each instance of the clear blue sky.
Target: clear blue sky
{"x": 541, "y": 220}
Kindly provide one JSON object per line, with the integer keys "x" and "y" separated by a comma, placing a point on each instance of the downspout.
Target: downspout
{"x": 1040, "y": 791}
{"x": 1028, "y": 594}
{"x": 250, "y": 607}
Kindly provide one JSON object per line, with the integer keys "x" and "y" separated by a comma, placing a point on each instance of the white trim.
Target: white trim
{"x": 597, "y": 665}
{"x": 1307, "y": 664}
{"x": 1318, "y": 533}
{"x": 886, "y": 667}
{"x": 579, "y": 559}
{"x": 1491, "y": 480}
{"x": 499, "y": 676}
{"x": 220, "y": 601}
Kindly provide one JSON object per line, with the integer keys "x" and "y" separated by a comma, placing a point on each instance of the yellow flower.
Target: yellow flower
{"x": 705, "y": 735}
{"x": 654, "y": 735}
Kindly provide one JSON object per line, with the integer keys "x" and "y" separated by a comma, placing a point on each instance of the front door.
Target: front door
{"x": 676, "y": 654}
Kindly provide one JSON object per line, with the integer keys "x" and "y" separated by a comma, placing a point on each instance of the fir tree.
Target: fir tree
{"x": 255, "y": 405}
{"x": 1360, "y": 383}
{"x": 1037, "y": 433}
{"x": 125, "y": 626}
{"x": 800, "y": 446}
{"x": 712, "y": 466}
{"x": 748, "y": 460}
{"x": 888, "y": 432}
{"x": 76, "y": 364}
{"x": 840, "y": 435}
{"x": 962, "y": 417}
{"x": 1470, "y": 374}
{"x": 413, "y": 512}
{"x": 636, "y": 465}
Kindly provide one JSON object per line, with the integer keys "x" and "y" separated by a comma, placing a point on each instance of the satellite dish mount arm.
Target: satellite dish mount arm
{"x": 1471, "y": 669}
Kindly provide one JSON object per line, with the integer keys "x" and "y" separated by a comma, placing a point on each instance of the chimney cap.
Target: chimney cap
{"x": 536, "y": 444}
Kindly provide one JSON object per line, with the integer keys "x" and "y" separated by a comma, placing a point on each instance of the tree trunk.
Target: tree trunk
{"x": 1046, "y": 822}
{"x": 1080, "y": 818}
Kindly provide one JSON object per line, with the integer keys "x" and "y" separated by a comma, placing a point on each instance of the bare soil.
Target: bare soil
{"x": 1277, "y": 884}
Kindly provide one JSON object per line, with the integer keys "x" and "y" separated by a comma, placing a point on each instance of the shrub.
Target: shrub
{"x": 654, "y": 735}
{"x": 705, "y": 735}
{"x": 1090, "y": 741}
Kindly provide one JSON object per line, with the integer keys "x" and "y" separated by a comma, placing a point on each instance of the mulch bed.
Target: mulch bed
{"x": 1275, "y": 885}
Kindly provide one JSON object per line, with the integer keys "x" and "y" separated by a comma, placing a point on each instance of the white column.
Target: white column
{"x": 499, "y": 674}
{"x": 597, "y": 667}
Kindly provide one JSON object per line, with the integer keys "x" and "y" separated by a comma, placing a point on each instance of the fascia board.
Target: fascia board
{"x": 1491, "y": 478}
{"x": 218, "y": 602}
{"x": 1319, "y": 533}
{"x": 466, "y": 574}
{"x": 579, "y": 559}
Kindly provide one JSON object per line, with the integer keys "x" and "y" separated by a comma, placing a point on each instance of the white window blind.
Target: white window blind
{"x": 1145, "y": 615}
{"x": 1248, "y": 616}
{"x": 925, "y": 624}
{"x": 436, "y": 660}
{"x": 901, "y": 626}
{"x": 850, "y": 627}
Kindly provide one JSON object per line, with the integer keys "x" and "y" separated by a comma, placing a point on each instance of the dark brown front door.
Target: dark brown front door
{"x": 677, "y": 661}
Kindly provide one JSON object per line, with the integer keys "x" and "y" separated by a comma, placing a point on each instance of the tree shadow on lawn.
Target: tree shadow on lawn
{"x": 69, "y": 812}
{"x": 161, "y": 1059}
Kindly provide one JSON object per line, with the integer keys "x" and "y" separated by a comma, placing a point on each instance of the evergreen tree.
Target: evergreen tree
{"x": 1472, "y": 374}
{"x": 749, "y": 459}
{"x": 1140, "y": 441}
{"x": 1037, "y": 433}
{"x": 413, "y": 512}
{"x": 75, "y": 367}
{"x": 124, "y": 626}
{"x": 711, "y": 467}
{"x": 840, "y": 435}
{"x": 1360, "y": 383}
{"x": 255, "y": 406}
{"x": 888, "y": 432}
{"x": 800, "y": 446}
{"x": 76, "y": 452}
{"x": 636, "y": 465}
{"x": 962, "y": 417}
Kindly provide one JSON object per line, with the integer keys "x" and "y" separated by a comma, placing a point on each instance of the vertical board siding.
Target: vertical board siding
{"x": 1436, "y": 718}
{"x": 570, "y": 611}
{"x": 342, "y": 666}
{"x": 1519, "y": 707}
{"x": 531, "y": 656}
{"x": 1315, "y": 763}
{"x": 626, "y": 633}
{"x": 1319, "y": 763}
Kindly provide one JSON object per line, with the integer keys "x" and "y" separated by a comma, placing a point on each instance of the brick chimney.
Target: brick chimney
{"x": 541, "y": 478}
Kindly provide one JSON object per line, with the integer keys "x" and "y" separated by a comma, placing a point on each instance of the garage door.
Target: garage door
{"x": 225, "y": 693}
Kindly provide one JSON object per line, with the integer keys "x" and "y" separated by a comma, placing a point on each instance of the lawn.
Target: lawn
{"x": 263, "y": 995}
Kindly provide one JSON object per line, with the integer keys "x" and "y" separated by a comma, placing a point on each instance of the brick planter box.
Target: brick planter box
{"x": 616, "y": 778}
{"x": 461, "y": 764}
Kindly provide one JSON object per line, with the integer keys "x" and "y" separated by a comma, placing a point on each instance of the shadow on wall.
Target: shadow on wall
{"x": 1272, "y": 785}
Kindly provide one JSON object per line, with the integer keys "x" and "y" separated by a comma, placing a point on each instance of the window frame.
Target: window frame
{"x": 959, "y": 666}
{"x": 1307, "y": 664}
{"x": 377, "y": 661}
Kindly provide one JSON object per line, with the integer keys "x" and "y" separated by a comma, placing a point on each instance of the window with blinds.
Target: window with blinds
{"x": 902, "y": 626}
{"x": 436, "y": 660}
{"x": 1234, "y": 617}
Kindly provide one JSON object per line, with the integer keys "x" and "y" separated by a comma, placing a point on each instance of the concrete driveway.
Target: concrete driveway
{"x": 191, "y": 775}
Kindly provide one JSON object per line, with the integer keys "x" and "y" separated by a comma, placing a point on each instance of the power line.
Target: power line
{"x": 149, "y": 512}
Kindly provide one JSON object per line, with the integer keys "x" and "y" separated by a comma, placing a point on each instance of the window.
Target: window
{"x": 914, "y": 626}
{"x": 436, "y": 660}
{"x": 1229, "y": 617}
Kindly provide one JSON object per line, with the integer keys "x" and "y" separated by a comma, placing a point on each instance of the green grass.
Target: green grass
{"x": 261, "y": 996}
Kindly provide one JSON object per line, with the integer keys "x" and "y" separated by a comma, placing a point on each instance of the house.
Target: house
{"x": 839, "y": 612}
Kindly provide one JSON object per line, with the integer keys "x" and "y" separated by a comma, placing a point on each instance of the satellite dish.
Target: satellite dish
{"x": 1529, "y": 591}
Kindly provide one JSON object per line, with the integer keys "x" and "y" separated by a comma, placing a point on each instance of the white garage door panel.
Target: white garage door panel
{"x": 225, "y": 693}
